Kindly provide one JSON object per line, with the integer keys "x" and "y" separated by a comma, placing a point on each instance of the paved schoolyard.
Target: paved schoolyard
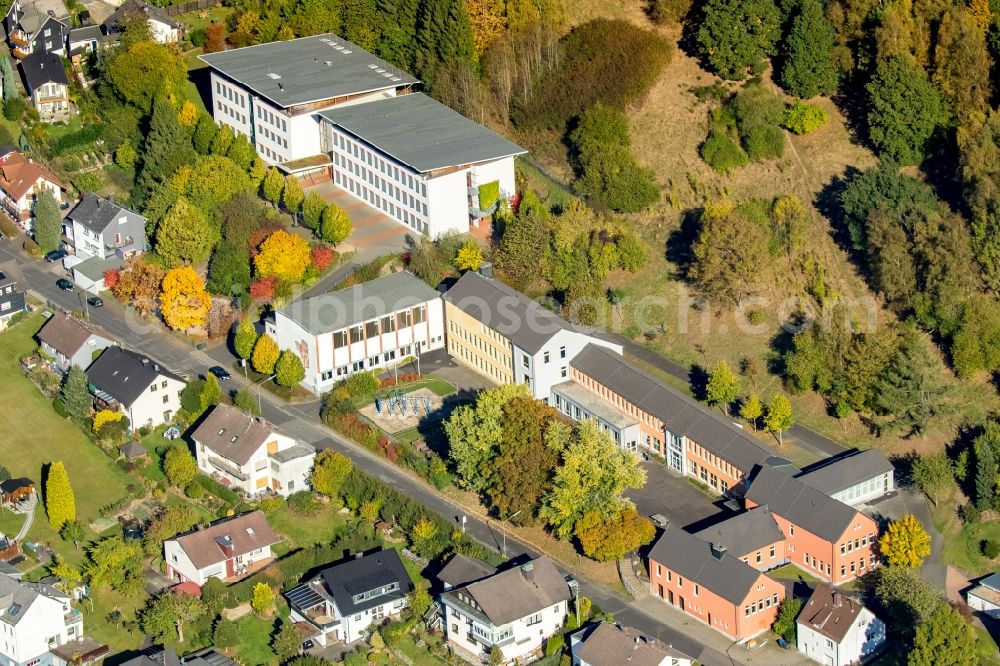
{"x": 667, "y": 493}
{"x": 374, "y": 233}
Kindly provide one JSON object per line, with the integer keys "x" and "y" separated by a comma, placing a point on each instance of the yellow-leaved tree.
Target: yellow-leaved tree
{"x": 187, "y": 114}
{"x": 104, "y": 417}
{"x": 283, "y": 255}
{"x": 60, "y": 503}
{"x": 183, "y": 299}
{"x": 265, "y": 354}
{"x": 469, "y": 257}
{"x": 905, "y": 542}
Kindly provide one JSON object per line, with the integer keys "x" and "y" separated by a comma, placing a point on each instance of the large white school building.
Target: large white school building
{"x": 322, "y": 104}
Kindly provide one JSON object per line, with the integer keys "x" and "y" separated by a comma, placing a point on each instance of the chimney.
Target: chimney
{"x": 635, "y": 644}
{"x": 718, "y": 551}
{"x": 486, "y": 270}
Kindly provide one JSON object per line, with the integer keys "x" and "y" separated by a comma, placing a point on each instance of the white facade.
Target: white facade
{"x": 182, "y": 569}
{"x": 473, "y": 632}
{"x": 334, "y": 626}
{"x": 46, "y": 622}
{"x": 164, "y": 33}
{"x": 550, "y": 364}
{"x": 50, "y": 99}
{"x": 281, "y": 465}
{"x": 578, "y": 404}
{"x": 157, "y": 405}
{"x": 377, "y": 343}
{"x": 985, "y": 598}
{"x": 866, "y": 634}
{"x": 868, "y": 489}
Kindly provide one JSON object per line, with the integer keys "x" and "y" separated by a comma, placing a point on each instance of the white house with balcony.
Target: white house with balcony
{"x": 47, "y": 85}
{"x": 373, "y": 325}
{"x": 38, "y": 625}
{"x": 250, "y": 454}
{"x": 21, "y": 181}
{"x": 344, "y": 600}
{"x": 228, "y": 549}
{"x": 101, "y": 227}
{"x": 136, "y": 385}
{"x": 515, "y": 610}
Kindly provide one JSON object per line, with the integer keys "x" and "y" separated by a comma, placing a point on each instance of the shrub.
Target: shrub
{"x": 756, "y": 105}
{"x": 802, "y": 118}
{"x": 198, "y": 37}
{"x": 764, "y": 142}
{"x": 78, "y": 140}
{"x": 610, "y": 61}
{"x": 722, "y": 152}
{"x": 755, "y": 316}
{"x": 361, "y": 384}
{"x": 8, "y": 227}
{"x": 323, "y": 257}
{"x": 194, "y": 490}
{"x": 304, "y": 503}
{"x": 227, "y": 495}
{"x": 60, "y": 407}
{"x": 87, "y": 182}
{"x": 32, "y": 248}
{"x": 991, "y": 548}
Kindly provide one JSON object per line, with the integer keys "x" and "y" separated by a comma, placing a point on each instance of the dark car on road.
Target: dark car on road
{"x": 96, "y": 301}
{"x": 55, "y": 255}
{"x": 221, "y": 373}
{"x": 64, "y": 284}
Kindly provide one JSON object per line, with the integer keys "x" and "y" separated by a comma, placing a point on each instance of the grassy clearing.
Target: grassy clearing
{"x": 96, "y": 479}
{"x": 10, "y": 522}
{"x": 304, "y": 532}
{"x": 964, "y": 549}
{"x": 201, "y": 18}
{"x": 255, "y": 638}
{"x": 792, "y": 572}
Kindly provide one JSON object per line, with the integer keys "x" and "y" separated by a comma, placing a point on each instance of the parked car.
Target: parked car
{"x": 55, "y": 255}
{"x": 64, "y": 284}
{"x": 220, "y": 373}
{"x": 96, "y": 301}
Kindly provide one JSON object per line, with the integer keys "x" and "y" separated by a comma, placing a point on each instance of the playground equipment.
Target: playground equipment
{"x": 395, "y": 402}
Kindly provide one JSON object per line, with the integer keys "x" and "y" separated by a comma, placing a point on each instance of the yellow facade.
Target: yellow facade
{"x": 479, "y": 347}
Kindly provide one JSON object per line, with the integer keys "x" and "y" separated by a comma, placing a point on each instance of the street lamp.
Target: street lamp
{"x": 257, "y": 384}
{"x": 504, "y": 532}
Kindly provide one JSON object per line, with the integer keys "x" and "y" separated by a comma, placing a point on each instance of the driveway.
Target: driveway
{"x": 898, "y": 504}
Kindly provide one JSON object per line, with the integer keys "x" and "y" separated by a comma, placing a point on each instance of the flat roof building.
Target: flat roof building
{"x": 323, "y": 106}
{"x": 853, "y": 479}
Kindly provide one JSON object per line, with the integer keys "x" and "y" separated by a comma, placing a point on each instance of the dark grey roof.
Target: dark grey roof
{"x": 16, "y": 300}
{"x": 462, "y": 570}
{"x": 421, "y": 132}
{"x": 40, "y": 68}
{"x": 509, "y": 312}
{"x": 842, "y": 473}
{"x": 729, "y": 577}
{"x": 95, "y": 267}
{"x": 800, "y": 504}
{"x": 154, "y": 657}
{"x": 125, "y": 375}
{"x": 97, "y": 212}
{"x": 368, "y": 300}
{"x": 680, "y": 414}
{"x": 364, "y": 574}
{"x": 310, "y": 69}
{"x": 10, "y": 485}
{"x": 136, "y": 7}
{"x": 35, "y": 13}
{"x": 991, "y": 581}
{"x": 132, "y": 449}
{"x": 16, "y": 596}
{"x": 209, "y": 657}
{"x": 86, "y": 34}
{"x": 745, "y": 532}
{"x": 298, "y": 450}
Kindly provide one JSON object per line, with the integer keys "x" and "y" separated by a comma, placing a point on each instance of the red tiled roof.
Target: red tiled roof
{"x": 189, "y": 588}
{"x": 18, "y": 175}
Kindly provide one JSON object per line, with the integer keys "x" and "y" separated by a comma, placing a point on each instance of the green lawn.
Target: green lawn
{"x": 34, "y": 435}
{"x": 10, "y": 522}
{"x": 792, "y": 572}
{"x": 305, "y": 532}
{"x": 201, "y": 18}
{"x": 964, "y": 550}
{"x": 255, "y": 639}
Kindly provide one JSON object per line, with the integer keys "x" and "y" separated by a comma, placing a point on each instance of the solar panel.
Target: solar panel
{"x": 304, "y": 597}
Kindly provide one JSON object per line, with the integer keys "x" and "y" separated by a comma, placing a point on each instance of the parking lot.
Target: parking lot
{"x": 666, "y": 492}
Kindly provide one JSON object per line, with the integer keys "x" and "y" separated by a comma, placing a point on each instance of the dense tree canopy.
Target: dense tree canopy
{"x": 736, "y": 37}
{"x": 905, "y": 110}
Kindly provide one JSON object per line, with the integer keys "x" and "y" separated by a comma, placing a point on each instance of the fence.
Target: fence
{"x": 192, "y": 5}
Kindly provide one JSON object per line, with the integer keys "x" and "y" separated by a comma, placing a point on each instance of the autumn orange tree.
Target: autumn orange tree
{"x": 283, "y": 255}
{"x": 138, "y": 285}
{"x": 183, "y": 300}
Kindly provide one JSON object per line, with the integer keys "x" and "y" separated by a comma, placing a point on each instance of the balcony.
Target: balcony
{"x": 124, "y": 242}
{"x": 19, "y": 39}
{"x": 73, "y": 617}
{"x": 20, "y": 52}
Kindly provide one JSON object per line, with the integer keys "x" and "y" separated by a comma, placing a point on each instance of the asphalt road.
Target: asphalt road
{"x": 301, "y": 421}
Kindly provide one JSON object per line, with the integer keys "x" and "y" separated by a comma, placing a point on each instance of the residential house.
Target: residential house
{"x": 836, "y": 630}
{"x": 147, "y": 393}
{"x": 162, "y": 27}
{"x": 321, "y": 104}
{"x": 36, "y": 26}
{"x": 985, "y": 596}
{"x": 248, "y": 453}
{"x": 856, "y": 478}
{"x": 17, "y": 491}
{"x": 752, "y": 536}
{"x": 47, "y": 85}
{"x": 369, "y": 326}
{"x": 101, "y": 227}
{"x": 21, "y": 180}
{"x": 712, "y": 586}
{"x": 823, "y": 536}
{"x": 344, "y": 600}
{"x": 228, "y": 549}
{"x": 506, "y": 336}
{"x": 11, "y": 300}
{"x": 693, "y": 440}
{"x": 70, "y": 341}
{"x": 515, "y": 610}
{"x": 36, "y": 622}
{"x": 615, "y": 645}
{"x": 85, "y": 39}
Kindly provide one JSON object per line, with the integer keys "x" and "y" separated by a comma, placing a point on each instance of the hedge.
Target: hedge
{"x": 82, "y": 138}
{"x": 227, "y": 495}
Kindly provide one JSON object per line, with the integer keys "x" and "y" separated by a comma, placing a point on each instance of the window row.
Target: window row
{"x": 269, "y": 117}
{"x": 387, "y": 168}
{"x": 230, "y": 94}
{"x": 761, "y": 605}
{"x": 239, "y": 117}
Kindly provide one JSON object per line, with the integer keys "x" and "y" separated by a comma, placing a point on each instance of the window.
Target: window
{"x": 696, "y": 589}
{"x": 152, "y": 389}
{"x": 356, "y": 334}
{"x": 339, "y": 339}
{"x": 525, "y": 363}
{"x": 166, "y": 398}
{"x": 562, "y": 352}
{"x": 545, "y": 357}
{"x": 403, "y": 319}
{"x": 759, "y": 557}
{"x": 772, "y": 552}
{"x": 163, "y": 384}
{"x": 791, "y": 530}
{"x": 418, "y": 315}
{"x": 388, "y": 324}
{"x": 843, "y": 570}
{"x": 534, "y": 619}
{"x": 326, "y": 375}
